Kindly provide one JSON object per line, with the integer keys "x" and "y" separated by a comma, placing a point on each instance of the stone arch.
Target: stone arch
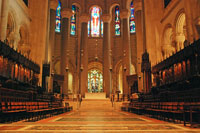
{"x": 132, "y": 70}
{"x": 180, "y": 29}
{"x": 95, "y": 65}
{"x": 70, "y": 82}
{"x": 77, "y": 5}
{"x": 119, "y": 76}
{"x": 128, "y": 3}
{"x": 113, "y": 6}
{"x": 23, "y": 44}
{"x": 167, "y": 39}
{"x": 71, "y": 78}
{"x": 12, "y": 35}
{"x": 56, "y": 64}
{"x": 100, "y": 7}
{"x": 112, "y": 14}
{"x": 197, "y": 24}
{"x": 95, "y": 85}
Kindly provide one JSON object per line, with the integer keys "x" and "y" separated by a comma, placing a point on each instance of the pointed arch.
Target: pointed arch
{"x": 73, "y": 20}
{"x": 132, "y": 18}
{"x": 58, "y": 18}
{"x": 117, "y": 21}
{"x": 95, "y": 25}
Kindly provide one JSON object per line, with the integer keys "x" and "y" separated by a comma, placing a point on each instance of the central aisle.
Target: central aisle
{"x": 96, "y": 116}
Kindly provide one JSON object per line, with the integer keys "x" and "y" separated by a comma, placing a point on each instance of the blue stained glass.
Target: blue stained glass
{"x": 95, "y": 22}
{"x": 58, "y": 18}
{"x": 117, "y": 21}
{"x": 132, "y": 19}
{"x": 101, "y": 28}
{"x": 73, "y": 21}
{"x": 88, "y": 28}
{"x": 95, "y": 81}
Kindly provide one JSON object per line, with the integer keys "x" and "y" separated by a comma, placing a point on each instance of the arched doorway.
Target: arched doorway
{"x": 95, "y": 81}
{"x": 120, "y": 80}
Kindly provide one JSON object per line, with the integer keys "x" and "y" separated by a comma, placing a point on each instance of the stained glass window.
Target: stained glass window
{"x": 73, "y": 21}
{"x": 95, "y": 81}
{"x": 101, "y": 28}
{"x": 58, "y": 17}
{"x": 95, "y": 25}
{"x": 95, "y": 22}
{"x": 117, "y": 21}
{"x": 132, "y": 19}
{"x": 88, "y": 28}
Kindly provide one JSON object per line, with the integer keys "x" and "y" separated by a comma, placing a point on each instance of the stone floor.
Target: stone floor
{"x": 96, "y": 116}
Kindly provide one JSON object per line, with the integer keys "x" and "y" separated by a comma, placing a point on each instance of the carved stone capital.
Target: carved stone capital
{"x": 53, "y": 4}
{"x": 137, "y": 5}
{"x": 66, "y": 13}
{"x": 84, "y": 18}
{"x": 106, "y": 18}
{"x": 180, "y": 37}
{"x": 197, "y": 21}
{"x": 125, "y": 13}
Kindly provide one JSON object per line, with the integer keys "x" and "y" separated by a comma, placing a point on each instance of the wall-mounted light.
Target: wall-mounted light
{"x": 124, "y": 68}
{"x": 81, "y": 68}
{"x": 52, "y": 73}
{"x": 110, "y": 68}
{"x": 67, "y": 68}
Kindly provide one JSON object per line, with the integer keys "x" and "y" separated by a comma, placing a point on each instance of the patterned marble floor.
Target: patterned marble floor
{"x": 93, "y": 117}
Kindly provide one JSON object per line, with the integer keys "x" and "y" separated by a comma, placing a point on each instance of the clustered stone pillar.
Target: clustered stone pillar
{"x": 139, "y": 39}
{"x": 84, "y": 54}
{"x": 198, "y": 27}
{"x": 0, "y": 10}
{"x": 4, "y": 19}
{"x": 126, "y": 49}
{"x": 180, "y": 38}
{"x": 189, "y": 22}
{"x": 53, "y": 6}
{"x": 106, "y": 55}
{"x": 66, "y": 14}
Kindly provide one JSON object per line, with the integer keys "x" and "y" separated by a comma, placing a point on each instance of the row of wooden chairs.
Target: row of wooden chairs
{"x": 171, "y": 111}
{"x": 31, "y": 111}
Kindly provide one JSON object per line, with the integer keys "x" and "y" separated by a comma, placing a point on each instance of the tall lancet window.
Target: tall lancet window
{"x": 95, "y": 26}
{"x": 132, "y": 19}
{"x": 73, "y": 20}
{"x": 117, "y": 21}
{"x": 58, "y": 17}
{"x": 101, "y": 27}
{"x": 88, "y": 28}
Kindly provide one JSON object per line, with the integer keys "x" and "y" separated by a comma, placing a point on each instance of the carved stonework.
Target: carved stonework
{"x": 106, "y": 18}
{"x": 53, "y": 4}
{"x": 13, "y": 39}
{"x": 198, "y": 25}
{"x": 66, "y": 13}
{"x": 125, "y": 13}
{"x": 146, "y": 65}
{"x": 25, "y": 49}
{"x": 168, "y": 50}
{"x": 137, "y": 5}
{"x": 84, "y": 18}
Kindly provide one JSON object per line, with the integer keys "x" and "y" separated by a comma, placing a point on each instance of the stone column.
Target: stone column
{"x": 189, "y": 21}
{"x": 0, "y": 10}
{"x": 139, "y": 40}
{"x": 197, "y": 24}
{"x": 53, "y": 6}
{"x": 106, "y": 55}
{"x": 126, "y": 49}
{"x": 84, "y": 18}
{"x": 4, "y": 19}
{"x": 180, "y": 38}
{"x": 66, "y": 14}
